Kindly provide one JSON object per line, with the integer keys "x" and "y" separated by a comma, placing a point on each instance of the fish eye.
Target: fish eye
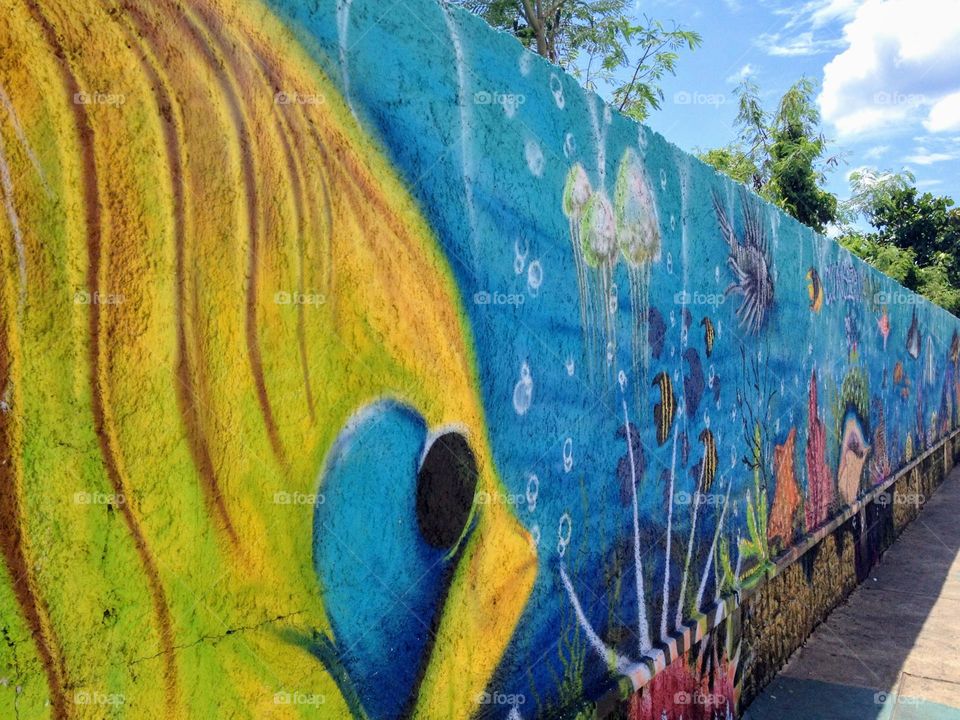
{"x": 446, "y": 486}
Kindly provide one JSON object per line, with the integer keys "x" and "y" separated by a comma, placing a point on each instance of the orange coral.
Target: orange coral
{"x": 787, "y": 497}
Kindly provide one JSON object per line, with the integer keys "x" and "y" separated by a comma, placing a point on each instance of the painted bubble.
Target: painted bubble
{"x": 523, "y": 391}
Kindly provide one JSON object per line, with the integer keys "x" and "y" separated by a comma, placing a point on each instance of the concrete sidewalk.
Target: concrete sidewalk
{"x": 892, "y": 651}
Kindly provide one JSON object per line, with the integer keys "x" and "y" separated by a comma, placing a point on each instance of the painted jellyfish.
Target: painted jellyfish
{"x": 599, "y": 241}
{"x": 638, "y": 235}
{"x": 576, "y": 194}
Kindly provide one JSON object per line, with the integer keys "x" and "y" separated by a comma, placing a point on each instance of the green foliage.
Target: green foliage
{"x": 731, "y": 161}
{"x": 597, "y": 41}
{"x": 868, "y": 189}
{"x": 924, "y": 223}
{"x": 896, "y": 262}
{"x": 915, "y": 237}
{"x": 937, "y": 284}
{"x": 781, "y": 153}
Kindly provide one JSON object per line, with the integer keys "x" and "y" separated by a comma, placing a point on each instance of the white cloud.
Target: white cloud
{"x": 803, "y": 30}
{"x": 799, "y": 45}
{"x": 925, "y": 157}
{"x": 901, "y": 65}
{"x": 945, "y": 114}
{"x": 833, "y": 10}
{"x": 876, "y": 152}
{"x": 817, "y": 13}
{"x": 742, "y": 74}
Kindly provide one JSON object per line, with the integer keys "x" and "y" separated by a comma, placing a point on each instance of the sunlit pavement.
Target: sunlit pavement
{"x": 892, "y": 652}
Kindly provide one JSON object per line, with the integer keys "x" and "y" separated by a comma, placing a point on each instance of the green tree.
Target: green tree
{"x": 784, "y": 152}
{"x": 597, "y": 42}
{"x": 936, "y": 284}
{"x": 868, "y": 189}
{"x": 915, "y": 237}
{"x": 896, "y": 262}
{"x": 924, "y": 223}
{"x": 732, "y": 161}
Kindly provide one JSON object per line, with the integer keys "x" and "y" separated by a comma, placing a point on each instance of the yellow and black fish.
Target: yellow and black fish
{"x": 814, "y": 289}
{"x": 665, "y": 410}
{"x": 708, "y": 334}
{"x": 708, "y": 467}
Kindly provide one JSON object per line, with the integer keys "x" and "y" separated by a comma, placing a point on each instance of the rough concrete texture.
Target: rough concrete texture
{"x": 892, "y": 651}
{"x": 357, "y": 363}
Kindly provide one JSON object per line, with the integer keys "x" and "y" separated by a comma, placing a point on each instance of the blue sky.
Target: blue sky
{"x": 888, "y": 73}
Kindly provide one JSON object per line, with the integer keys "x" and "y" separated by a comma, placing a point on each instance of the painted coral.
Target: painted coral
{"x": 786, "y": 499}
{"x": 819, "y": 482}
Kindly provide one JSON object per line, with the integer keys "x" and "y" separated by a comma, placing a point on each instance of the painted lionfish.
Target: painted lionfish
{"x": 750, "y": 263}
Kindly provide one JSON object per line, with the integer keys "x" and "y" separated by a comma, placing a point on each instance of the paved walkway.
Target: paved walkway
{"x": 892, "y": 652}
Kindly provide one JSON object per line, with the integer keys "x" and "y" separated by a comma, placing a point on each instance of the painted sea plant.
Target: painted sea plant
{"x": 716, "y": 566}
{"x": 754, "y": 549}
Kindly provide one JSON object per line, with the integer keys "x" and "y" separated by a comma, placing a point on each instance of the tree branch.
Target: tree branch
{"x": 533, "y": 20}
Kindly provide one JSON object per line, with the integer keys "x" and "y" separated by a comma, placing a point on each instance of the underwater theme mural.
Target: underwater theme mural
{"x": 357, "y": 363}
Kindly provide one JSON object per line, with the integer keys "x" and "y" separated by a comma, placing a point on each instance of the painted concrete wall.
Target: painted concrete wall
{"x": 355, "y": 362}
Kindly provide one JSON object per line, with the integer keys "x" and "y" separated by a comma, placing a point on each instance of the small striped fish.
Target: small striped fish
{"x": 708, "y": 468}
{"x": 708, "y": 334}
{"x": 665, "y": 410}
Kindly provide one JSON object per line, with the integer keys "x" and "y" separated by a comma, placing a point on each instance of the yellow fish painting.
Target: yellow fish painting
{"x": 351, "y": 371}
{"x": 192, "y": 306}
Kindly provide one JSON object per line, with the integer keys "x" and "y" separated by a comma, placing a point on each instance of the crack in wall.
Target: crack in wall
{"x": 219, "y": 637}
